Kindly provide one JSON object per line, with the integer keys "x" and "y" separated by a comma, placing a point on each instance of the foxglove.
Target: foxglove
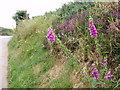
{"x": 108, "y": 76}
{"x": 50, "y": 36}
{"x": 93, "y": 31}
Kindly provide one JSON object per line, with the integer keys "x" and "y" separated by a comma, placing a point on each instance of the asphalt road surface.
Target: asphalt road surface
{"x": 3, "y": 60}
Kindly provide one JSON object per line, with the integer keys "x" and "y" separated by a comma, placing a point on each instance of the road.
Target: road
{"x": 3, "y": 60}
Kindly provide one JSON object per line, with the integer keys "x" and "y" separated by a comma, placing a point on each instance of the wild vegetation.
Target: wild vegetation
{"x": 20, "y": 15}
{"x": 76, "y": 46}
{"x": 6, "y": 31}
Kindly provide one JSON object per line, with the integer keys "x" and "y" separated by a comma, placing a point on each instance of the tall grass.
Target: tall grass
{"x": 26, "y": 52}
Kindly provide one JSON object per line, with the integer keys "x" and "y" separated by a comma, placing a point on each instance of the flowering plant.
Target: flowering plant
{"x": 50, "y": 36}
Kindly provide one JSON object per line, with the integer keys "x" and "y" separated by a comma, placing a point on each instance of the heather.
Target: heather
{"x": 76, "y": 46}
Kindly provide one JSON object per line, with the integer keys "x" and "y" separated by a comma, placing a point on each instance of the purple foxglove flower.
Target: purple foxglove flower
{"x": 108, "y": 76}
{"x": 104, "y": 62}
{"x": 95, "y": 74}
{"x": 50, "y": 36}
{"x": 93, "y": 31}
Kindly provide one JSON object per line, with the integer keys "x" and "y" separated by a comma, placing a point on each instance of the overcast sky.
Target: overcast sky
{"x": 34, "y": 7}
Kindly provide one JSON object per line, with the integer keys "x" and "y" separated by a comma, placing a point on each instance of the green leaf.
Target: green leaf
{"x": 94, "y": 83}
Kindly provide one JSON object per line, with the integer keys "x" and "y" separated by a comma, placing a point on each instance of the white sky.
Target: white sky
{"x": 34, "y": 7}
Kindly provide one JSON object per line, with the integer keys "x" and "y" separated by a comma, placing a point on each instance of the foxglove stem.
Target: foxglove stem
{"x": 98, "y": 47}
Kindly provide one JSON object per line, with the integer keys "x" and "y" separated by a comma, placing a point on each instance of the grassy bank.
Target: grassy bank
{"x": 35, "y": 62}
{"x": 30, "y": 63}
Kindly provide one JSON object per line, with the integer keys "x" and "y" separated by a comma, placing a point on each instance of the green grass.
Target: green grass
{"x": 61, "y": 82}
{"x": 26, "y": 52}
{"x": 21, "y": 67}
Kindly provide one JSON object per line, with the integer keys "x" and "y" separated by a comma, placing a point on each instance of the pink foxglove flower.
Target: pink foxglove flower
{"x": 50, "y": 36}
{"x": 104, "y": 62}
{"x": 93, "y": 31}
{"x": 108, "y": 76}
{"x": 95, "y": 74}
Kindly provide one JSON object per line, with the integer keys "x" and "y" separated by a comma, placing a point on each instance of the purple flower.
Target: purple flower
{"x": 112, "y": 38}
{"x": 108, "y": 76}
{"x": 117, "y": 3}
{"x": 93, "y": 31}
{"x": 50, "y": 36}
{"x": 104, "y": 62}
{"x": 108, "y": 26}
{"x": 95, "y": 74}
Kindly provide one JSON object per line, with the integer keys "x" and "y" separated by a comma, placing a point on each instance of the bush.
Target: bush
{"x": 6, "y": 31}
